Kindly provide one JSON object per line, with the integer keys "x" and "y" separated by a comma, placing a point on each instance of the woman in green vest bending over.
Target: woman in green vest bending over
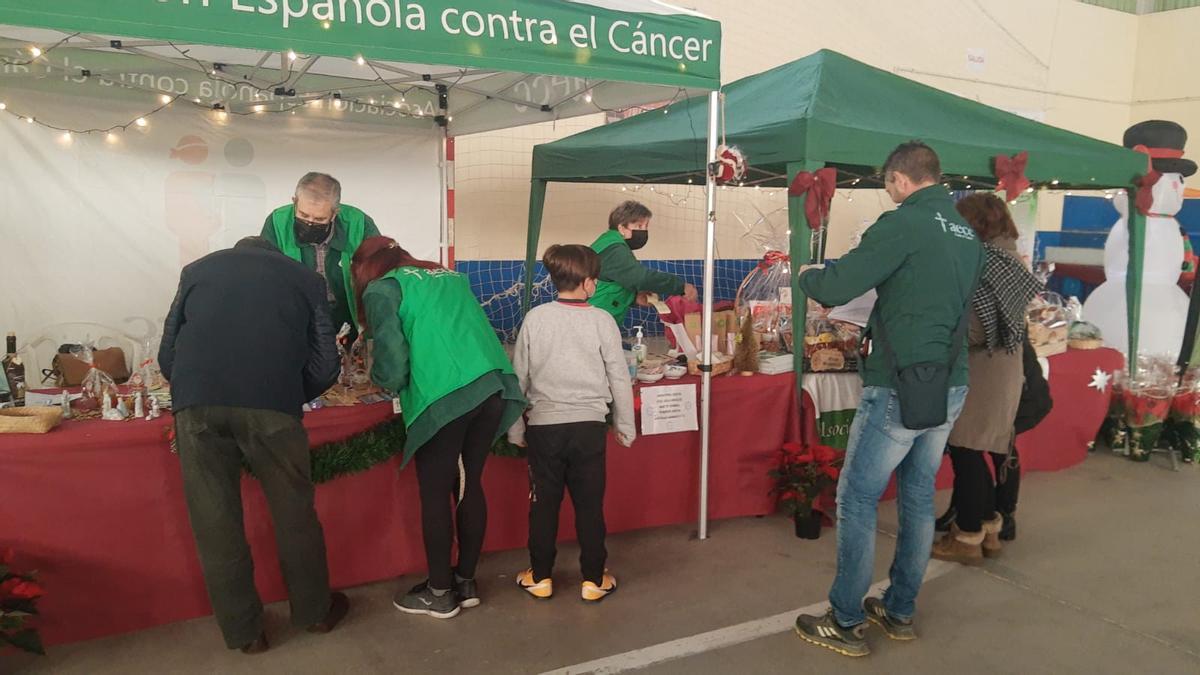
{"x": 624, "y": 280}
{"x": 434, "y": 348}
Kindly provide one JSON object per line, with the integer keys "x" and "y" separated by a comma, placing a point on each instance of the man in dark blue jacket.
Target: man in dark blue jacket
{"x": 247, "y": 342}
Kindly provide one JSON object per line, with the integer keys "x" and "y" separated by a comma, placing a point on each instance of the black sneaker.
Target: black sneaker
{"x": 421, "y": 600}
{"x": 943, "y": 523}
{"x": 468, "y": 593}
{"x": 895, "y": 628}
{"x": 1008, "y": 531}
{"x": 824, "y": 631}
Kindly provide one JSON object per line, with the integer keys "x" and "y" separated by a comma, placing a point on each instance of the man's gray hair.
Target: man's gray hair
{"x": 320, "y": 186}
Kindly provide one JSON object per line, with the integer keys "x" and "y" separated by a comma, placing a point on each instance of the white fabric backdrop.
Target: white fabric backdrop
{"x": 96, "y": 230}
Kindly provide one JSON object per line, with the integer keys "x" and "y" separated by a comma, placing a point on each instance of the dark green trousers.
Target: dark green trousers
{"x": 212, "y": 442}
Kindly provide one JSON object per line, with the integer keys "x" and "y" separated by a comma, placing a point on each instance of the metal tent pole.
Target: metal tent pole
{"x": 710, "y": 189}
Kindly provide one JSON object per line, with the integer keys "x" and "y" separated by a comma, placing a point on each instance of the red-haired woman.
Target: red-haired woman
{"x": 434, "y": 348}
{"x": 995, "y": 341}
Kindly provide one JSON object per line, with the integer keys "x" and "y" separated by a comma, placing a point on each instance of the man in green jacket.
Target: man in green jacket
{"x": 923, "y": 262}
{"x": 624, "y": 280}
{"x": 317, "y": 229}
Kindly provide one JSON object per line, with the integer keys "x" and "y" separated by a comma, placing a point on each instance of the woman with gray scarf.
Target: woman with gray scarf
{"x": 995, "y": 339}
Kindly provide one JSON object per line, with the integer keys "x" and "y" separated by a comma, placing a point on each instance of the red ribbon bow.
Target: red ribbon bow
{"x": 771, "y": 258}
{"x": 819, "y": 185}
{"x": 1011, "y": 174}
{"x": 1145, "y": 194}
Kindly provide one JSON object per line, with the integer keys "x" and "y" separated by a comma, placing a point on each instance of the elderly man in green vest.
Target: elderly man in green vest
{"x": 624, "y": 280}
{"x": 317, "y": 229}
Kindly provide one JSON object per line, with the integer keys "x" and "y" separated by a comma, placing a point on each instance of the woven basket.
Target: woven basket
{"x": 29, "y": 420}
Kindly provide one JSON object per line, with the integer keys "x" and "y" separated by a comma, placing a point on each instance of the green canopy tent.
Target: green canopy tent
{"x": 449, "y": 66}
{"x": 828, "y": 110}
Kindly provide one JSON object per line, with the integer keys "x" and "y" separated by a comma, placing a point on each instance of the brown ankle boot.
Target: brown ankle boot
{"x": 961, "y": 547}
{"x": 991, "y": 536}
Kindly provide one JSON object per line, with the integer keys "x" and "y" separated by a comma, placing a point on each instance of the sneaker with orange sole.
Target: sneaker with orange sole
{"x": 542, "y": 590}
{"x": 595, "y": 593}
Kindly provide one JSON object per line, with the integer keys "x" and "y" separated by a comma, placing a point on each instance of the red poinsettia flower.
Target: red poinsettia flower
{"x": 7, "y": 586}
{"x": 27, "y": 590}
{"x": 831, "y": 471}
{"x": 824, "y": 454}
{"x": 1186, "y": 405}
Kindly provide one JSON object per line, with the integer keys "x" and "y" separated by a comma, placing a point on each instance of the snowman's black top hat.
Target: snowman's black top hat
{"x": 1163, "y": 141}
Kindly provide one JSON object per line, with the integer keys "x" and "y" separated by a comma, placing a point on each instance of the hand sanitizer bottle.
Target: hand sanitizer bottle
{"x": 639, "y": 349}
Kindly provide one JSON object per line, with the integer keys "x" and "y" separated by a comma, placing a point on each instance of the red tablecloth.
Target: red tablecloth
{"x": 98, "y": 507}
{"x": 1061, "y": 440}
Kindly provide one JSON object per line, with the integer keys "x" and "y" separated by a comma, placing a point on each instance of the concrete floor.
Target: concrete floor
{"x": 1103, "y": 579}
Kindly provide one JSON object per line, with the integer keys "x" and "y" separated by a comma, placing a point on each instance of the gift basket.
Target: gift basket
{"x": 766, "y": 295}
{"x": 1081, "y": 334}
{"x": 829, "y": 346}
{"x": 1048, "y": 320}
{"x": 766, "y": 292}
{"x": 1084, "y": 335}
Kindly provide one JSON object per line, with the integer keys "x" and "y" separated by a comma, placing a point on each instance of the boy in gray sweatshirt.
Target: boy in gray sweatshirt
{"x": 571, "y": 367}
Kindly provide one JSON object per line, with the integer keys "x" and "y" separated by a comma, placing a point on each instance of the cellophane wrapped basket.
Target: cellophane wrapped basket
{"x": 766, "y": 295}
{"x": 1182, "y": 429}
{"x": 1147, "y": 402}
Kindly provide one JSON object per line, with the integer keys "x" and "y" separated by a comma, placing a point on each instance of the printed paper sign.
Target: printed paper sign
{"x": 669, "y": 409}
{"x": 976, "y": 60}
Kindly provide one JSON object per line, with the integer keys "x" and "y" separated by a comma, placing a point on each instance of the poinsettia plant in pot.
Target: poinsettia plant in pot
{"x": 1182, "y": 428}
{"x": 1146, "y": 409}
{"x": 805, "y": 474}
{"x": 19, "y": 593}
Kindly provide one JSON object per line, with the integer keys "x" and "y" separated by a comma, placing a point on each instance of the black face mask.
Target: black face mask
{"x": 312, "y": 233}
{"x": 638, "y": 239}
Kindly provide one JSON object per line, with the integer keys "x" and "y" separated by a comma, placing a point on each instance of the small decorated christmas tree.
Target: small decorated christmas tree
{"x": 745, "y": 355}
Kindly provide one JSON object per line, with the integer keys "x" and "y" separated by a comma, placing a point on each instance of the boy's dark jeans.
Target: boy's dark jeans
{"x": 212, "y": 441}
{"x": 570, "y": 456}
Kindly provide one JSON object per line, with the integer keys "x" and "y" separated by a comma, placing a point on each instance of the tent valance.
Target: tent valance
{"x": 501, "y": 63}
{"x": 840, "y": 112}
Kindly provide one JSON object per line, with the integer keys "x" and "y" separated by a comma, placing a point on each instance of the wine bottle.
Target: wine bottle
{"x": 14, "y": 370}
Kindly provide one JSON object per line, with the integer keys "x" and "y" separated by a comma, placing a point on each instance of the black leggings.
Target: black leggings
{"x": 976, "y": 495}
{"x": 974, "y": 490}
{"x": 469, "y": 437}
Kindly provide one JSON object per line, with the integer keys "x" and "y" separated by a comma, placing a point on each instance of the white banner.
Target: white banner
{"x": 95, "y": 227}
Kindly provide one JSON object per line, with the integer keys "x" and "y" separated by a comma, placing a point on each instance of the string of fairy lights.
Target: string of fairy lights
{"x": 847, "y": 186}
{"x": 265, "y": 101}
{"x": 338, "y": 100}
{"x": 266, "y": 96}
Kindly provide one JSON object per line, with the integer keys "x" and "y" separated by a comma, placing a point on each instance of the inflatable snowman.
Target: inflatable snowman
{"x": 1164, "y": 304}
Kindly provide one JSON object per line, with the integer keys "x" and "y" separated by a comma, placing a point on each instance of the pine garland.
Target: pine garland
{"x": 359, "y": 452}
{"x": 373, "y": 446}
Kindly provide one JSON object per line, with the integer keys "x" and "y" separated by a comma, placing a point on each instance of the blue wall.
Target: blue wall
{"x": 497, "y": 284}
{"x": 1085, "y": 224}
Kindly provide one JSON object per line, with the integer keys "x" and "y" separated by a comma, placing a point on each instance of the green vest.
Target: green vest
{"x": 611, "y": 297}
{"x": 355, "y": 222}
{"x": 451, "y": 343}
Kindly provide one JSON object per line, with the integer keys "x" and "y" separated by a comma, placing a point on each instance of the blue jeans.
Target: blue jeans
{"x": 880, "y": 444}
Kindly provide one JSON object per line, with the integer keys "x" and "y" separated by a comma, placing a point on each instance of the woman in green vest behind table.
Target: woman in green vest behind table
{"x": 434, "y": 348}
{"x": 624, "y": 280}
